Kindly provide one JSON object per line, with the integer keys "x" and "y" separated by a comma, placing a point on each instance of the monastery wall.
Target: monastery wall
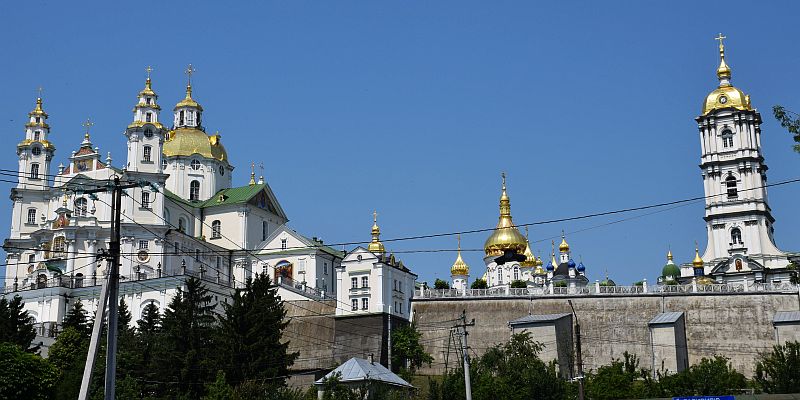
{"x": 736, "y": 325}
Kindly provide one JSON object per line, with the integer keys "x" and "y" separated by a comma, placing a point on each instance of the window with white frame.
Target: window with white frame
{"x": 727, "y": 138}
{"x": 31, "y": 258}
{"x": 730, "y": 186}
{"x": 354, "y": 283}
{"x": 516, "y": 273}
{"x": 35, "y": 171}
{"x": 216, "y": 229}
{"x": 195, "y": 165}
{"x": 31, "y": 216}
{"x": 147, "y": 153}
{"x": 499, "y": 275}
{"x": 736, "y": 236}
{"x": 145, "y": 199}
{"x": 81, "y": 205}
{"x": 364, "y": 281}
{"x": 194, "y": 190}
{"x": 283, "y": 244}
{"x": 355, "y": 304}
{"x": 144, "y": 244}
{"x": 365, "y": 303}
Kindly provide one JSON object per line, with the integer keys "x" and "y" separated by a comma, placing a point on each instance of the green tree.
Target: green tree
{"x": 184, "y": 353}
{"x": 16, "y": 325}
{"x": 78, "y": 319}
{"x": 24, "y": 375}
{"x": 250, "y": 335}
{"x": 146, "y": 337}
{"x": 792, "y": 124}
{"x": 219, "y": 390}
{"x": 622, "y": 379}
{"x": 406, "y": 346}
{"x": 441, "y": 284}
{"x": 710, "y": 377}
{"x": 519, "y": 284}
{"x": 779, "y": 371}
{"x": 68, "y": 356}
{"x": 479, "y": 284}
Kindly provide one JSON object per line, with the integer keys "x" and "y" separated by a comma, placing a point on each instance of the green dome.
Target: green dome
{"x": 671, "y": 270}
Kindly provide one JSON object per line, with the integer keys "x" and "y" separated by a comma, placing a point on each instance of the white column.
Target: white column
{"x": 71, "y": 257}
{"x": 93, "y": 266}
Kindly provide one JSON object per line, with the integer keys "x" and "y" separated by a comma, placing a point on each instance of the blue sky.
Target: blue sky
{"x": 414, "y": 108}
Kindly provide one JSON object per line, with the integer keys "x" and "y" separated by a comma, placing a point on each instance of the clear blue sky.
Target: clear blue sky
{"x": 414, "y": 108}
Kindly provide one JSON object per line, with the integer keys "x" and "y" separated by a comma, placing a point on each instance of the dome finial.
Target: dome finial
{"x": 506, "y": 236}
{"x": 723, "y": 72}
{"x": 189, "y": 71}
{"x": 459, "y": 267}
{"x": 88, "y": 125}
{"x": 697, "y": 262}
{"x": 669, "y": 253}
{"x": 375, "y": 245}
{"x": 252, "y": 174}
{"x": 564, "y": 246}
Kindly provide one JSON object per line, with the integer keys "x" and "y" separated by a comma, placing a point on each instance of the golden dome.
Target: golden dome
{"x": 726, "y": 95}
{"x": 506, "y": 236}
{"x": 148, "y": 90}
{"x": 188, "y": 101}
{"x": 38, "y": 110}
{"x": 375, "y": 246}
{"x": 697, "y": 262}
{"x": 459, "y": 267}
{"x": 530, "y": 259}
{"x": 188, "y": 141}
{"x": 564, "y": 246}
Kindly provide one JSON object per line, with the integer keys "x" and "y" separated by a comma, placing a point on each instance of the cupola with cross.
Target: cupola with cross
{"x": 145, "y": 134}
{"x": 35, "y": 152}
{"x": 188, "y": 112}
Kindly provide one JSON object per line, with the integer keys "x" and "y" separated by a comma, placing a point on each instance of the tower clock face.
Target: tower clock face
{"x": 723, "y": 99}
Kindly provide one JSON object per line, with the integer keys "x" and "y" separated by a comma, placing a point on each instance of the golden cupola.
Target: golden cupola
{"x": 188, "y": 101}
{"x": 530, "y": 259}
{"x": 564, "y": 246}
{"x": 375, "y": 246}
{"x": 459, "y": 268}
{"x": 506, "y": 236}
{"x": 725, "y": 95}
{"x": 697, "y": 262}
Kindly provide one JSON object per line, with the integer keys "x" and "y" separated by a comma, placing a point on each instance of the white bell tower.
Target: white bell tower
{"x": 35, "y": 152}
{"x": 738, "y": 218}
{"x": 145, "y": 134}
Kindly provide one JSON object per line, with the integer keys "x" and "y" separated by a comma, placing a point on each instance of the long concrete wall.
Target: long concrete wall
{"x": 738, "y": 326}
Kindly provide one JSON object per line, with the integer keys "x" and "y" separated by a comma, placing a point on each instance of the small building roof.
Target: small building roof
{"x": 786, "y": 317}
{"x": 361, "y": 370}
{"x": 666, "y": 318}
{"x": 538, "y": 318}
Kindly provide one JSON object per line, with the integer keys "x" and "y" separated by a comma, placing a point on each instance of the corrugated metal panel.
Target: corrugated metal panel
{"x": 538, "y": 318}
{"x": 359, "y": 369}
{"x": 786, "y": 317}
{"x": 666, "y": 318}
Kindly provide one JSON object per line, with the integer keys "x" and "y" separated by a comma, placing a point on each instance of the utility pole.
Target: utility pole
{"x": 579, "y": 358}
{"x": 108, "y": 294}
{"x": 465, "y": 354}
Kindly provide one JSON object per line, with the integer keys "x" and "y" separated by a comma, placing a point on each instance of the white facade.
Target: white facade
{"x": 370, "y": 284}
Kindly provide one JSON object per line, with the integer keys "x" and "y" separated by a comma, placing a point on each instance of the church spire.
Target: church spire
{"x": 375, "y": 245}
{"x": 188, "y": 111}
{"x": 146, "y": 110}
{"x": 506, "y": 236}
{"x": 723, "y": 71}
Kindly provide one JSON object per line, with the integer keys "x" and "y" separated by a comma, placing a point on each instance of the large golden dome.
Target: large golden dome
{"x": 726, "y": 95}
{"x": 188, "y": 141}
{"x": 506, "y": 236}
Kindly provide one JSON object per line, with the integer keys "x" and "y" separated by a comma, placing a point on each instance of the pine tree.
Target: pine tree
{"x": 16, "y": 325}
{"x": 250, "y": 335}
{"x": 147, "y": 338}
{"x": 185, "y": 350}
{"x": 78, "y": 319}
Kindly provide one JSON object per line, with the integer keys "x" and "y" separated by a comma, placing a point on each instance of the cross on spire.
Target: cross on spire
{"x": 149, "y": 69}
{"x": 39, "y": 90}
{"x": 503, "y": 175}
{"x": 458, "y": 237}
{"x": 720, "y": 38}
{"x": 87, "y": 124}
{"x": 189, "y": 71}
{"x": 375, "y": 216}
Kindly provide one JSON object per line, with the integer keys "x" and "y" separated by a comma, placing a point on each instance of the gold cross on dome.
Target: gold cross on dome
{"x": 149, "y": 69}
{"x": 189, "y": 71}
{"x": 375, "y": 216}
{"x": 40, "y": 90}
{"x": 88, "y": 124}
{"x": 720, "y": 38}
{"x": 503, "y": 175}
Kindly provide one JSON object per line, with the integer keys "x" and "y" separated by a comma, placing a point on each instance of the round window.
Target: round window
{"x": 36, "y": 150}
{"x": 723, "y": 99}
{"x": 148, "y": 133}
{"x": 195, "y": 165}
{"x": 143, "y": 256}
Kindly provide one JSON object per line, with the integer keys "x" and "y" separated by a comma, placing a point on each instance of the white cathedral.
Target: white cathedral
{"x": 183, "y": 219}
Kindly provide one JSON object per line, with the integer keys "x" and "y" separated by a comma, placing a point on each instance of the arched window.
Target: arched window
{"x": 516, "y": 273}
{"x": 78, "y": 280}
{"x": 730, "y": 184}
{"x": 59, "y": 247}
{"x": 195, "y": 165}
{"x": 182, "y": 224}
{"x": 163, "y": 165}
{"x": 37, "y": 135}
{"x": 31, "y": 216}
{"x": 499, "y": 275}
{"x": 147, "y": 154}
{"x": 727, "y": 138}
{"x": 216, "y": 229}
{"x": 81, "y": 205}
{"x": 166, "y": 216}
{"x": 736, "y": 236}
{"x": 146, "y": 200}
{"x": 180, "y": 117}
{"x": 41, "y": 281}
{"x": 264, "y": 230}
{"x": 35, "y": 171}
{"x": 148, "y": 117}
{"x": 36, "y": 150}
{"x": 194, "y": 190}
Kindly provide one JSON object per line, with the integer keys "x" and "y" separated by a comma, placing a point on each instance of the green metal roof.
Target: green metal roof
{"x": 236, "y": 195}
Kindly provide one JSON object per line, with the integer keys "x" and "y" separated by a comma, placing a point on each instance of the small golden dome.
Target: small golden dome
{"x": 188, "y": 141}
{"x": 669, "y": 255}
{"x": 506, "y": 236}
{"x": 375, "y": 246}
{"x": 530, "y": 259}
{"x": 148, "y": 89}
{"x": 564, "y": 246}
{"x": 697, "y": 262}
{"x": 188, "y": 101}
{"x": 459, "y": 267}
{"x": 38, "y": 110}
{"x": 726, "y": 95}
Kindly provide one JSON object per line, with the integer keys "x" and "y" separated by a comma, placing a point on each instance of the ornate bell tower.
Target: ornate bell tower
{"x": 145, "y": 134}
{"x": 35, "y": 152}
{"x": 738, "y": 219}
